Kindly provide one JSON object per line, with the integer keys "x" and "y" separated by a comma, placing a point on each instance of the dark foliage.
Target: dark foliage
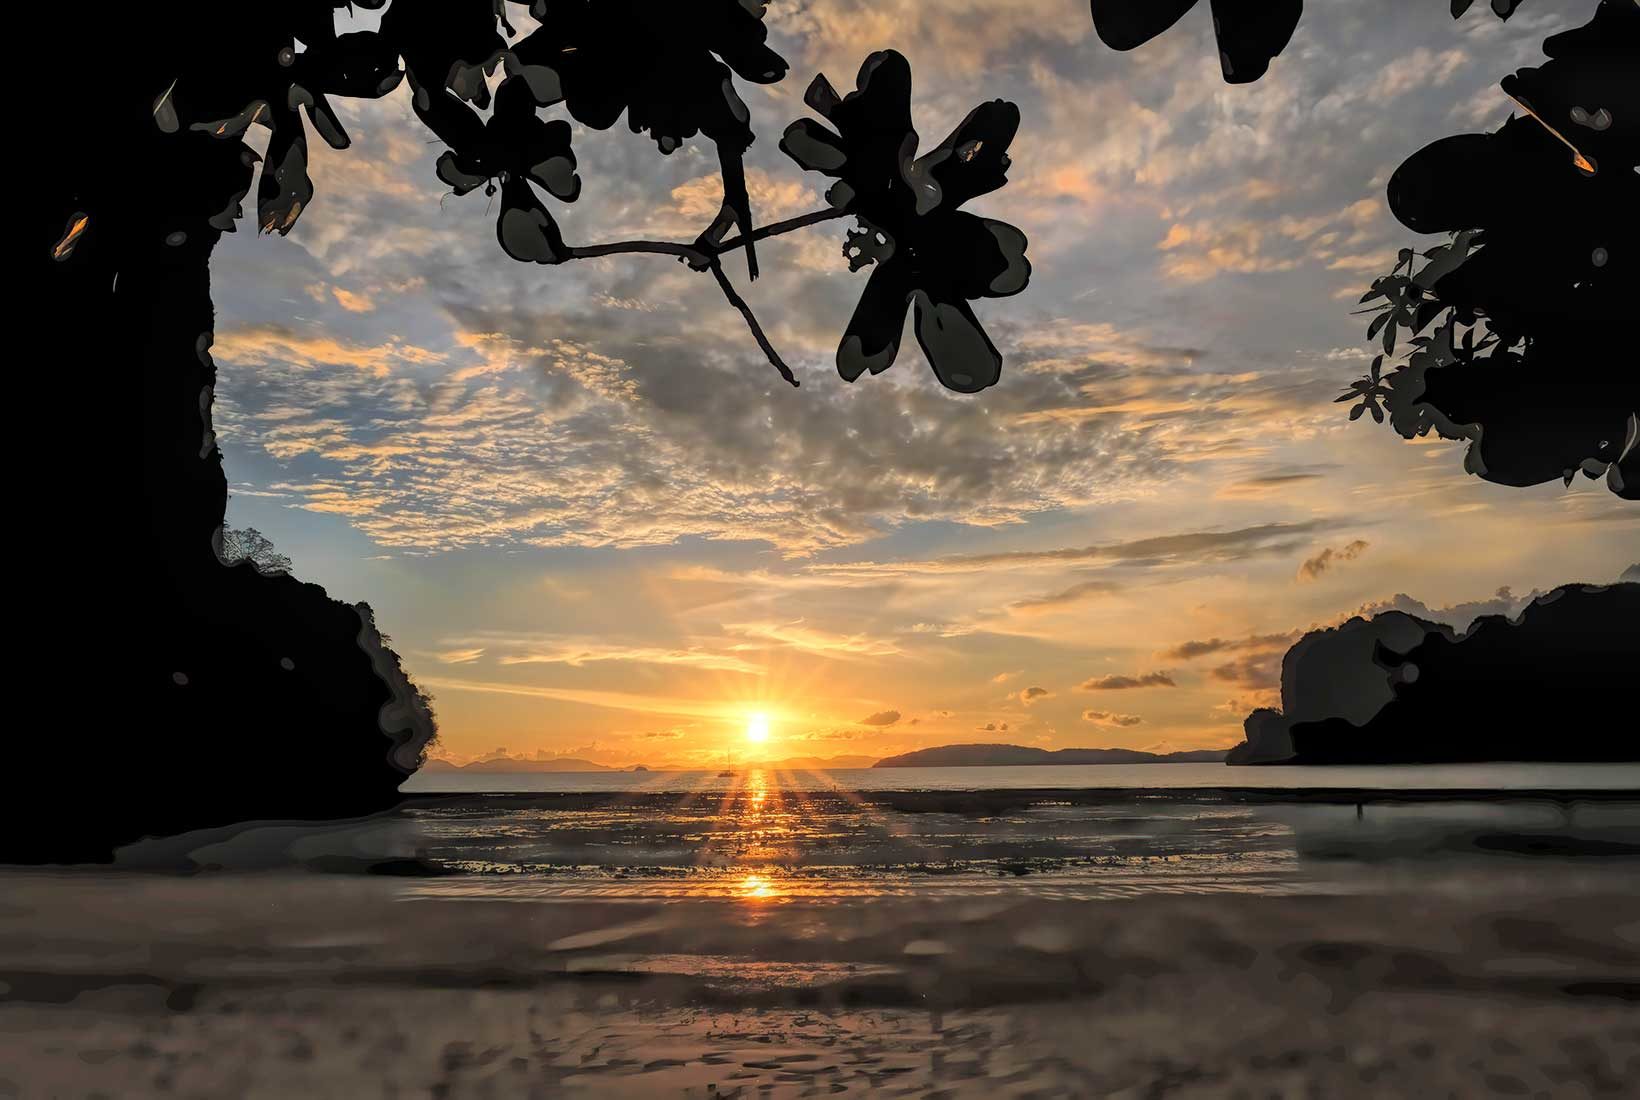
{"x": 1555, "y": 683}
{"x": 1520, "y": 324}
{"x": 1250, "y": 33}
{"x": 669, "y": 67}
{"x": 1502, "y": 8}
{"x": 923, "y": 250}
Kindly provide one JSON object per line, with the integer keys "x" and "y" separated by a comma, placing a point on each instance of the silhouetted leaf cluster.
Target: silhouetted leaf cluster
{"x": 1502, "y": 8}
{"x": 1250, "y": 33}
{"x": 669, "y": 67}
{"x": 924, "y": 250}
{"x": 1530, "y": 357}
{"x": 272, "y": 85}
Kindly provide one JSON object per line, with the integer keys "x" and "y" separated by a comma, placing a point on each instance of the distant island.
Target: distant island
{"x": 975, "y": 756}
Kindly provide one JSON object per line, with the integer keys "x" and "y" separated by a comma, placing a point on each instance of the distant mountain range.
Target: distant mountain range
{"x": 968, "y": 756}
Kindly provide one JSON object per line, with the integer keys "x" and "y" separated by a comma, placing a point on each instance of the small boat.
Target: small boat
{"x": 728, "y": 771}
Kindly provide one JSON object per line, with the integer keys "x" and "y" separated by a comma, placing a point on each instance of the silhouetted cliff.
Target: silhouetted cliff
{"x": 174, "y": 691}
{"x": 1554, "y": 683}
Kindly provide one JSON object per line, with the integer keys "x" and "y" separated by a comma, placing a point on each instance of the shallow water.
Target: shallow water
{"x": 765, "y": 839}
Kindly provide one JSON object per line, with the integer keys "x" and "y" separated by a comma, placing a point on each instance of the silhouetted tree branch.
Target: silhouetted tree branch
{"x": 703, "y": 255}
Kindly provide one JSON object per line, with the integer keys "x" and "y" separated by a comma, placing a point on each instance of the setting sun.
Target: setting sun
{"x": 757, "y": 729}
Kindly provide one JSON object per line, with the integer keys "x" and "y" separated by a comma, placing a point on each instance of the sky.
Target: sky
{"x": 595, "y": 522}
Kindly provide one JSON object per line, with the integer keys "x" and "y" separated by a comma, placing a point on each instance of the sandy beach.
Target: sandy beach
{"x": 286, "y": 984}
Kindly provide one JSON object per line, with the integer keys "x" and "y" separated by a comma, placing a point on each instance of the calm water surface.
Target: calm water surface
{"x": 1087, "y": 831}
{"x": 1468, "y": 777}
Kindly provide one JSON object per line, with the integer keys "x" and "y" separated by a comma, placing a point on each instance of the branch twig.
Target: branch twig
{"x": 775, "y": 229}
{"x": 703, "y": 256}
{"x": 739, "y": 303}
{"x": 659, "y": 248}
{"x": 700, "y": 256}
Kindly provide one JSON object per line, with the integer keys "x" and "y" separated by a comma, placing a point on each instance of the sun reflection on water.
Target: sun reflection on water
{"x": 764, "y": 827}
{"x": 757, "y": 888}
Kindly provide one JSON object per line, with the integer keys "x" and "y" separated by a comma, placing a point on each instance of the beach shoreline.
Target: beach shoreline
{"x": 284, "y": 984}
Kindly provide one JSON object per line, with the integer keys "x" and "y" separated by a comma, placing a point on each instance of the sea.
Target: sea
{"x": 768, "y": 835}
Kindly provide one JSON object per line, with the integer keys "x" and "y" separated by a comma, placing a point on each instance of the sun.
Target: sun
{"x": 757, "y": 728}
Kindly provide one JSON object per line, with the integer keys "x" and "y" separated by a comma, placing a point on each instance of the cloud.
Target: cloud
{"x": 711, "y": 653}
{"x": 577, "y": 654}
{"x": 1269, "y": 485}
{"x": 1187, "y": 651}
{"x": 1312, "y": 568}
{"x": 1195, "y": 546}
{"x": 774, "y": 198}
{"x": 1109, "y": 718}
{"x": 1124, "y": 683}
{"x": 1032, "y": 694}
{"x": 962, "y": 37}
{"x": 881, "y": 718}
{"x": 820, "y": 643}
{"x": 353, "y": 303}
{"x": 1255, "y": 671}
{"x": 829, "y": 735}
{"x": 273, "y": 344}
{"x": 1203, "y": 250}
{"x": 1076, "y": 593}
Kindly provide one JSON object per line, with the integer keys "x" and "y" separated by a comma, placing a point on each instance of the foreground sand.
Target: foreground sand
{"x": 297, "y": 985}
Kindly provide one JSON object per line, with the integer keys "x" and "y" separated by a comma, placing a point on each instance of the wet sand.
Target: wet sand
{"x": 285, "y": 984}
